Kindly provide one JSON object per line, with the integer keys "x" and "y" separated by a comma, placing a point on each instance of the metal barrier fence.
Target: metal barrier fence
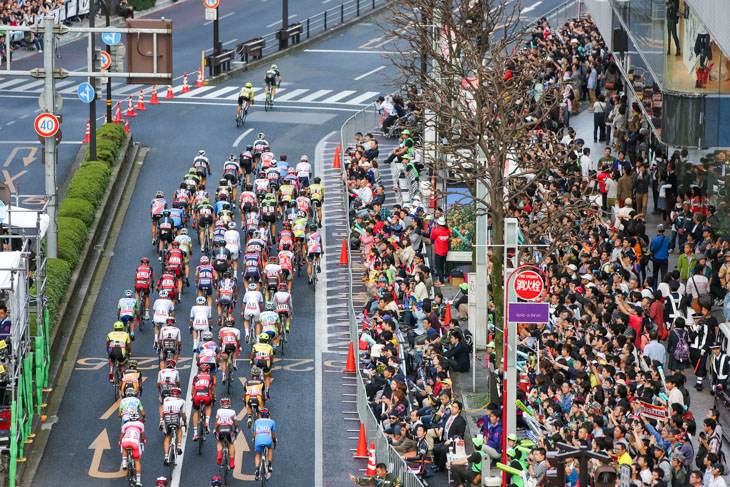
{"x": 364, "y": 121}
{"x": 569, "y": 10}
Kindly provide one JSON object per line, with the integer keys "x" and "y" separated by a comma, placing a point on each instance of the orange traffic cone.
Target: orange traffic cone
{"x": 185, "y": 88}
{"x": 106, "y": 119}
{"x": 153, "y": 98}
{"x": 117, "y": 114}
{"x": 371, "y": 461}
{"x": 362, "y": 444}
{"x": 447, "y": 314}
{"x": 169, "y": 92}
{"x": 343, "y": 253}
{"x": 126, "y": 126}
{"x": 140, "y": 102}
{"x": 337, "y": 158}
{"x": 432, "y": 203}
{"x": 350, "y": 369}
{"x": 87, "y": 138}
{"x": 130, "y": 108}
{"x": 199, "y": 82}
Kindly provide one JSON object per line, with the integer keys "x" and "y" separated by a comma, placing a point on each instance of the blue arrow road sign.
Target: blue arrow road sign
{"x": 111, "y": 38}
{"x": 86, "y": 92}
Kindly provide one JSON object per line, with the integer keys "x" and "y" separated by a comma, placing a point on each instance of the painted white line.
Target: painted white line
{"x": 12, "y": 82}
{"x": 240, "y": 137}
{"x": 369, "y": 73}
{"x": 29, "y": 86}
{"x": 219, "y": 18}
{"x": 230, "y": 42}
{"x": 279, "y": 21}
{"x": 348, "y": 51}
{"x": 124, "y": 89}
{"x": 222, "y": 91}
{"x": 369, "y": 95}
{"x": 314, "y": 96}
{"x": 195, "y": 92}
{"x": 531, "y": 7}
{"x": 337, "y": 97}
{"x": 10, "y": 122}
{"x": 176, "y": 474}
{"x": 291, "y": 94}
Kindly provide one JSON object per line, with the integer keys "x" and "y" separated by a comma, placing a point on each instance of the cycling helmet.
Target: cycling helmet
{"x": 232, "y": 225}
{"x": 282, "y": 158}
{"x": 256, "y": 234}
{"x": 130, "y": 392}
{"x": 249, "y": 147}
{"x": 134, "y": 416}
{"x": 170, "y": 363}
{"x": 249, "y": 187}
{"x": 273, "y": 66}
{"x": 264, "y": 337}
{"x": 145, "y": 260}
{"x": 301, "y": 214}
{"x": 304, "y": 158}
{"x": 205, "y": 367}
{"x": 265, "y": 413}
{"x": 201, "y": 187}
{"x": 216, "y": 481}
{"x": 175, "y": 244}
{"x": 170, "y": 321}
{"x": 313, "y": 226}
{"x": 225, "y": 402}
{"x": 163, "y": 293}
{"x": 283, "y": 287}
{"x": 269, "y": 305}
{"x": 166, "y": 213}
{"x": 255, "y": 371}
{"x": 132, "y": 364}
{"x": 184, "y": 231}
{"x": 207, "y": 336}
{"x": 291, "y": 170}
{"x": 200, "y": 300}
{"x": 159, "y": 194}
{"x": 317, "y": 180}
{"x": 262, "y": 174}
{"x": 118, "y": 325}
{"x": 175, "y": 391}
{"x": 228, "y": 274}
{"x": 249, "y": 85}
{"x": 273, "y": 163}
{"x": 287, "y": 224}
{"x": 292, "y": 203}
{"x": 260, "y": 136}
{"x": 230, "y": 322}
{"x": 193, "y": 171}
{"x": 252, "y": 286}
{"x": 232, "y": 157}
{"x": 128, "y": 293}
{"x": 162, "y": 481}
{"x": 204, "y": 259}
{"x": 201, "y": 152}
{"x": 273, "y": 260}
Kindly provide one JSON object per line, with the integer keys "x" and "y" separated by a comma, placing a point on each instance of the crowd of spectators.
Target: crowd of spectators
{"x": 24, "y": 13}
{"x": 626, "y": 332}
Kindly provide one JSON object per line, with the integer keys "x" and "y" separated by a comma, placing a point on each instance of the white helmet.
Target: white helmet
{"x": 304, "y": 158}
{"x": 200, "y": 300}
{"x": 207, "y": 335}
{"x": 201, "y": 152}
{"x": 252, "y": 286}
{"x": 232, "y": 225}
{"x": 183, "y": 231}
{"x": 261, "y": 136}
{"x": 163, "y": 293}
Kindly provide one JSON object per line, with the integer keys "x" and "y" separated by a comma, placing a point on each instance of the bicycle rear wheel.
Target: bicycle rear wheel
{"x": 225, "y": 461}
{"x": 229, "y": 374}
{"x": 172, "y": 453}
{"x": 201, "y": 432}
{"x": 263, "y": 471}
{"x": 117, "y": 377}
{"x": 131, "y": 469}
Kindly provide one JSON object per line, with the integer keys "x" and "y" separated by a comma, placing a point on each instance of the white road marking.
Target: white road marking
{"x": 279, "y": 21}
{"x": 291, "y": 94}
{"x": 313, "y": 96}
{"x": 531, "y": 7}
{"x": 364, "y": 97}
{"x": 240, "y": 137}
{"x": 176, "y": 474}
{"x": 195, "y": 92}
{"x": 34, "y": 84}
{"x": 12, "y": 82}
{"x": 369, "y": 73}
{"x": 338, "y": 96}
{"x": 219, "y": 18}
{"x": 227, "y": 89}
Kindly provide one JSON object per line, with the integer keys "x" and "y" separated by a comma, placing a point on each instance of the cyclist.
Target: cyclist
{"x": 252, "y": 219}
{"x": 247, "y": 200}
{"x": 205, "y": 274}
{"x": 219, "y": 233}
{"x": 283, "y": 164}
{"x": 221, "y": 257}
{"x": 291, "y": 176}
{"x": 257, "y": 245}
{"x": 229, "y": 339}
{"x": 285, "y": 261}
{"x": 163, "y": 309}
{"x": 226, "y": 426}
{"x": 261, "y": 185}
{"x": 208, "y": 352}
{"x": 118, "y": 347}
{"x": 313, "y": 249}
{"x": 203, "y": 396}
{"x": 233, "y": 244}
{"x": 169, "y": 341}
{"x": 167, "y": 378}
{"x": 270, "y": 324}
{"x": 227, "y": 296}
{"x": 224, "y": 188}
{"x": 253, "y": 393}
{"x": 181, "y": 199}
{"x": 304, "y": 171}
{"x": 175, "y": 262}
{"x": 252, "y": 303}
{"x": 265, "y": 233}
{"x": 273, "y": 175}
{"x": 264, "y": 433}
{"x": 173, "y": 414}
{"x": 186, "y": 245}
{"x": 144, "y": 276}
{"x": 245, "y": 94}
{"x": 259, "y": 145}
{"x": 178, "y": 218}
{"x": 251, "y": 267}
{"x": 205, "y": 213}
{"x": 200, "y": 316}
{"x": 202, "y": 165}
{"x": 157, "y": 207}
{"x": 272, "y": 273}
{"x": 192, "y": 180}
{"x": 283, "y": 305}
{"x": 130, "y": 404}
{"x": 304, "y": 204}
{"x": 287, "y": 193}
{"x": 269, "y": 212}
{"x": 132, "y": 437}
{"x": 132, "y": 379}
{"x": 168, "y": 282}
{"x": 198, "y": 197}
{"x": 316, "y": 195}
{"x": 246, "y": 161}
{"x": 299, "y": 229}
{"x": 267, "y": 160}
{"x": 271, "y": 77}
{"x": 262, "y": 356}
{"x": 232, "y": 172}
{"x": 165, "y": 229}
{"x": 128, "y": 310}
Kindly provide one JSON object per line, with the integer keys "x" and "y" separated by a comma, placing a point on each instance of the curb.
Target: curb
{"x": 242, "y": 68}
{"x": 77, "y": 292}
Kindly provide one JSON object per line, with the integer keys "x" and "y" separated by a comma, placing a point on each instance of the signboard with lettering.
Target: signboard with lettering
{"x": 528, "y": 312}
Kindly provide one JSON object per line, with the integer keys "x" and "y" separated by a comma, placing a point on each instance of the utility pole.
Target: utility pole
{"x": 108, "y": 9}
{"x": 92, "y": 79}
{"x": 284, "y": 41}
{"x": 49, "y": 95}
{"x": 216, "y": 43}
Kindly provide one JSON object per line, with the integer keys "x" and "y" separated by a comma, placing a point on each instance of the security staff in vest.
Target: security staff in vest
{"x": 720, "y": 367}
{"x": 466, "y": 469}
{"x": 700, "y": 336}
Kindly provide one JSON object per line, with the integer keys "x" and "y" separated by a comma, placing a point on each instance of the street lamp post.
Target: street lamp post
{"x": 284, "y": 39}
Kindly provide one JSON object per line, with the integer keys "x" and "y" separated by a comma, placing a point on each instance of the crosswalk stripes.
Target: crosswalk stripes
{"x": 222, "y": 91}
{"x": 124, "y": 89}
{"x": 33, "y": 85}
{"x": 315, "y": 95}
{"x": 291, "y": 94}
{"x": 196, "y": 91}
{"x": 8, "y": 84}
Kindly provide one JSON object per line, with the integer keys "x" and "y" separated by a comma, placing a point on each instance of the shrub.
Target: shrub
{"x": 111, "y": 131}
{"x": 89, "y": 183}
{"x": 59, "y": 275}
{"x": 104, "y": 153}
{"x": 78, "y": 208}
{"x": 71, "y": 238}
{"x": 142, "y": 4}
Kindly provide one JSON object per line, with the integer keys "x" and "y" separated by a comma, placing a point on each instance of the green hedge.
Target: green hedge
{"x": 142, "y": 4}
{"x": 59, "y": 275}
{"x": 78, "y": 208}
{"x": 71, "y": 238}
{"x": 109, "y": 140}
{"x": 111, "y": 131}
{"x": 89, "y": 183}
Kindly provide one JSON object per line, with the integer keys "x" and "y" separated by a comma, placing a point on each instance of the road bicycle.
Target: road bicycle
{"x": 229, "y": 371}
{"x": 205, "y": 244}
{"x": 117, "y": 380}
{"x": 269, "y": 104}
{"x": 263, "y": 470}
{"x": 131, "y": 468}
{"x": 171, "y": 458}
{"x": 142, "y": 312}
{"x": 225, "y": 460}
{"x": 254, "y": 403}
{"x": 241, "y": 116}
{"x": 202, "y": 418}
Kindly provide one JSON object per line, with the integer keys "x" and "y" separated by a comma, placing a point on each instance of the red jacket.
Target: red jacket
{"x": 440, "y": 238}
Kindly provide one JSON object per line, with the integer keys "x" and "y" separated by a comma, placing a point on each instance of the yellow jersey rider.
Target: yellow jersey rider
{"x": 246, "y": 94}
{"x": 118, "y": 348}
{"x": 316, "y": 195}
{"x": 262, "y": 356}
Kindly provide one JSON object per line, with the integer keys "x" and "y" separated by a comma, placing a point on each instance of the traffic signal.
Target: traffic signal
{"x": 117, "y": 51}
{"x": 97, "y": 68}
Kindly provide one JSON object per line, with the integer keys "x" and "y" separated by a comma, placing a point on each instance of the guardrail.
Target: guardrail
{"x": 364, "y": 121}
{"x": 571, "y": 9}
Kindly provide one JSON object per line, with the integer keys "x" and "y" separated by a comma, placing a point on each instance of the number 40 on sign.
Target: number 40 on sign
{"x": 46, "y": 124}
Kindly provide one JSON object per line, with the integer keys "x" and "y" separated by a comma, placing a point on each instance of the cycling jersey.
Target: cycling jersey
{"x": 262, "y": 352}
{"x": 269, "y": 318}
{"x": 261, "y": 186}
{"x": 169, "y": 339}
{"x": 204, "y": 277}
{"x": 314, "y": 243}
{"x": 273, "y": 175}
{"x": 181, "y": 198}
{"x": 131, "y": 379}
{"x": 165, "y": 226}
{"x": 203, "y": 387}
{"x": 226, "y": 290}
{"x": 205, "y": 214}
{"x": 143, "y": 277}
{"x": 252, "y": 302}
{"x": 219, "y": 233}
{"x": 127, "y": 308}
{"x": 260, "y": 146}
{"x": 254, "y": 390}
{"x": 199, "y": 196}
{"x": 175, "y": 258}
{"x": 271, "y": 330}
{"x": 162, "y": 309}
{"x": 233, "y": 241}
{"x": 118, "y": 339}
{"x": 287, "y": 193}
{"x": 247, "y": 200}
{"x": 282, "y": 302}
{"x": 221, "y": 257}
{"x": 172, "y": 411}
{"x": 132, "y": 437}
{"x": 166, "y": 379}
{"x": 252, "y": 262}
{"x": 263, "y": 429}
{"x": 252, "y": 220}
{"x": 157, "y": 206}
{"x": 268, "y": 210}
{"x": 272, "y": 271}
{"x": 200, "y": 314}
{"x": 255, "y": 245}
{"x": 316, "y": 192}
{"x": 229, "y": 335}
{"x": 285, "y": 257}
{"x": 300, "y": 227}
{"x": 225, "y": 417}
{"x": 246, "y": 93}
{"x": 168, "y": 282}
{"x": 202, "y": 164}
{"x": 208, "y": 354}
{"x": 266, "y": 159}
{"x": 286, "y": 240}
{"x": 231, "y": 170}
{"x": 271, "y": 74}
{"x": 129, "y": 405}
{"x": 304, "y": 170}
{"x": 177, "y": 216}
{"x": 303, "y": 204}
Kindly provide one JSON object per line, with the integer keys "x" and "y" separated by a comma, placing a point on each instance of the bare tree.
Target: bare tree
{"x": 493, "y": 96}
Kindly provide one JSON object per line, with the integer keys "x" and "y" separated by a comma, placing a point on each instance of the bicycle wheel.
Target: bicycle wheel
{"x": 201, "y": 432}
{"x": 229, "y": 374}
{"x": 238, "y": 119}
{"x": 131, "y": 469}
{"x": 225, "y": 461}
{"x": 117, "y": 380}
{"x": 282, "y": 340}
{"x": 267, "y": 103}
{"x": 172, "y": 452}
{"x": 244, "y": 115}
{"x": 263, "y": 470}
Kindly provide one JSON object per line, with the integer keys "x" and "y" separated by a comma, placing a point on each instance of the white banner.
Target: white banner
{"x": 57, "y": 16}
{"x": 72, "y": 7}
{"x": 83, "y": 7}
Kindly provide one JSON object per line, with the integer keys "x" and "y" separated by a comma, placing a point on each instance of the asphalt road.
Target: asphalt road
{"x": 324, "y": 85}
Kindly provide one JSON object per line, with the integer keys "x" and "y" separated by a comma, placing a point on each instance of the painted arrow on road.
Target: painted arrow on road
{"x": 27, "y": 160}
{"x": 100, "y": 444}
{"x": 241, "y": 446}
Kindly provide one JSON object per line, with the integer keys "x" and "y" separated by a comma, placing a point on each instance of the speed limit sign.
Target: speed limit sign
{"x": 210, "y": 3}
{"x": 46, "y": 124}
